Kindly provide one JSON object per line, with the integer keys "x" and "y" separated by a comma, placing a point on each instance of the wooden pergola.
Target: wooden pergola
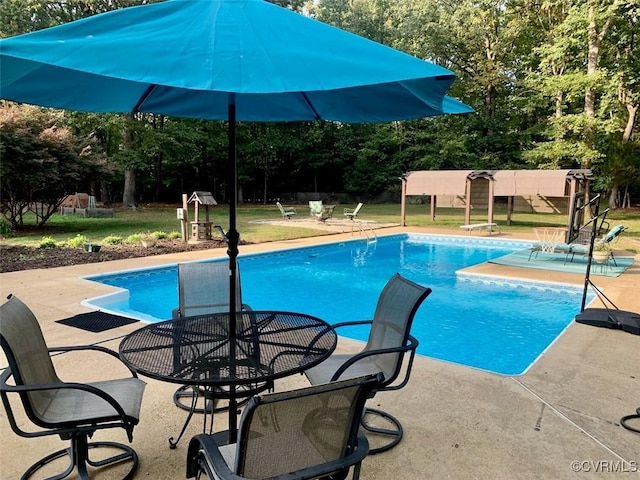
{"x": 482, "y": 186}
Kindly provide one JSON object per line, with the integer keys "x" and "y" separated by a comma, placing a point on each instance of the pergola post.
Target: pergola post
{"x": 490, "y": 203}
{"x": 571, "y": 221}
{"x": 403, "y": 202}
{"x": 433, "y": 207}
{"x": 467, "y": 208}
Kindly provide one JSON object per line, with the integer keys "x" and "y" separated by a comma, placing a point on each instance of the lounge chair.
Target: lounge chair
{"x": 352, "y": 213}
{"x": 389, "y": 341}
{"x": 326, "y": 213}
{"x": 608, "y": 239}
{"x": 74, "y": 411}
{"x": 315, "y": 208}
{"x": 286, "y": 213}
{"x": 320, "y": 211}
{"x": 299, "y": 434}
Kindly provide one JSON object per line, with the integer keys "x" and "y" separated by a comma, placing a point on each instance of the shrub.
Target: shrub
{"x": 47, "y": 242}
{"x": 5, "y": 227}
{"x": 112, "y": 240}
{"x": 175, "y": 235}
{"x": 77, "y": 241}
{"x": 135, "y": 238}
{"x": 158, "y": 235}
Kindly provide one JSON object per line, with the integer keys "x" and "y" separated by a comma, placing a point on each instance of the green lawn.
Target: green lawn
{"x": 164, "y": 219}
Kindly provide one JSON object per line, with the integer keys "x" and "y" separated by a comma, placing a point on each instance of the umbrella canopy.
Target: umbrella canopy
{"x": 245, "y": 60}
{"x": 190, "y": 58}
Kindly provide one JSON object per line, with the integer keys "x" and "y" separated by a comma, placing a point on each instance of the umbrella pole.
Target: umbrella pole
{"x": 232, "y": 250}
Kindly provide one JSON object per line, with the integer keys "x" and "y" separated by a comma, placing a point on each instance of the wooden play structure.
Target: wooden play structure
{"x": 83, "y": 204}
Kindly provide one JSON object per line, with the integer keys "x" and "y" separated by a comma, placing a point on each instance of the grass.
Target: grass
{"x": 152, "y": 219}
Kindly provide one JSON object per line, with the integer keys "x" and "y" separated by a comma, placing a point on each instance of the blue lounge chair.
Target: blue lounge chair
{"x": 607, "y": 239}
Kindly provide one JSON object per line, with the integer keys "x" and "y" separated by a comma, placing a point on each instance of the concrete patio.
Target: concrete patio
{"x": 560, "y": 420}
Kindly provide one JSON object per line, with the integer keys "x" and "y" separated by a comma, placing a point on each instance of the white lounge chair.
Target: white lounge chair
{"x": 286, "y": 213}
{"x": 352, "y": 213}
{"x": 315, "y": 208}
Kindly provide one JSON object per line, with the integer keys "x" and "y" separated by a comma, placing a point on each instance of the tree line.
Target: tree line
{"x": 555, "y": 84}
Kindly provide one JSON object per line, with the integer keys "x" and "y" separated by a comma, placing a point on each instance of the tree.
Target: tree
{"x": 41, "y": 163}
{"x": 622, "y": 166}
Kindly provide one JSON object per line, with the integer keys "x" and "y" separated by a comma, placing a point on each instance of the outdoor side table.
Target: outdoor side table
{"x": 195, "y": 351}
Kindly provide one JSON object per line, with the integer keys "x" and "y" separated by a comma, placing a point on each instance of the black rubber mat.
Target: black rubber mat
{"x": 96, "y": 321}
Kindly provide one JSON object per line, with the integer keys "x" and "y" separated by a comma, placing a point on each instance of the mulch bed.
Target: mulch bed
{"x": 15, "y": 258}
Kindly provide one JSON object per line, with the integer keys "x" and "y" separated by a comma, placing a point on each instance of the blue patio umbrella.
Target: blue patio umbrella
{"x": 233, "y": 60}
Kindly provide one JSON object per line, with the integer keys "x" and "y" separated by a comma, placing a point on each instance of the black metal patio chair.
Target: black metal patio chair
{"x": 389, "y": 340}
{"x": 300, "y": 434}
{"x": 203, "y": 288}
{"x": 74, "y": 411}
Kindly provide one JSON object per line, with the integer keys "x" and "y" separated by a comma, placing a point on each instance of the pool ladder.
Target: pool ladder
{"x": 368, "y": 232}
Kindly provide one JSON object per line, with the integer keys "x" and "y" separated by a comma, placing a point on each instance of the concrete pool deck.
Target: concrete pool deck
{"x": 560, "y": 420}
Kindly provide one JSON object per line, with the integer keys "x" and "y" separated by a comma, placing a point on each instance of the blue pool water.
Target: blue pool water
{"x": 484, "y": 322}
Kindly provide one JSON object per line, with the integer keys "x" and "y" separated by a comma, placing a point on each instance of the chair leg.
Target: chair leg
{"x": 78, "y": 454}
{"x": 395, "y": 432}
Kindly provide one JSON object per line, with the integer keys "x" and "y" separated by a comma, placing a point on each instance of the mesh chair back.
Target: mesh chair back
{"x": 27, "y": 354}
{"x": 204, "y": 288}
{"x": 391, "y": 327}
{"x": 288, "y": 431}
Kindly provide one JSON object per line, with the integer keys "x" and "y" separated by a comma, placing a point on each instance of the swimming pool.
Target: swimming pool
{"x": 488, "y": 323}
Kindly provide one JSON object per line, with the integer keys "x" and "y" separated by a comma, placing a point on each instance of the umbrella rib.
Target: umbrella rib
{"x": 145, "y": 95}
{"x": 310, "y": 105}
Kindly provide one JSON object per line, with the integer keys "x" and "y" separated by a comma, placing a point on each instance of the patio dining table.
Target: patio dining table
{"x": 196, "y": 351}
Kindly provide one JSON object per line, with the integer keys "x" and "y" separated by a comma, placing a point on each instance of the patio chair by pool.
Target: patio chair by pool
{"x": 608, "y": 239}
{"x": 204, "y": 288}
{"x": 326, "y": 213}
{"x": 286, "y": 213}
{"x": 315, "y": 208}
{"x": 300, "y": 434}
{"x": 74, "y": 411}
{"x": 389, "y": 340}
{"x": 352, "y": 213}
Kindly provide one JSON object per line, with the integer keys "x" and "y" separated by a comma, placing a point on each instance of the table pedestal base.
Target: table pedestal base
{"x": 211, "y": 397}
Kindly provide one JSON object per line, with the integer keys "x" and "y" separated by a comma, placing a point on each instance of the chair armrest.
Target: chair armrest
{"x": 351, "y": 323}
{"x": 203, "y": 452}
{"x": 96, "y": 348}
{"x": 8, "y": 388}
{"x": 410, "y": 347}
